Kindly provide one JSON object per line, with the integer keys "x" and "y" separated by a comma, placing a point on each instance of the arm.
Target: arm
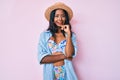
{"x": 44, "y": 56}
{"x": 53, "y": 58}
{"x": 69, "y": 48}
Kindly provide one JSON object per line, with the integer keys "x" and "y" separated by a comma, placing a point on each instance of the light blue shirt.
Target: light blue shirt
{"x": 43, "y": 50}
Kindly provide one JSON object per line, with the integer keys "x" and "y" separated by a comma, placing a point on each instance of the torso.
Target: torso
{"x": 59, "y": 38}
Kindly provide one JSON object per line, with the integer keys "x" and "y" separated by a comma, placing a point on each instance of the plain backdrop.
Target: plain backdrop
{"x": 95, "y": 22}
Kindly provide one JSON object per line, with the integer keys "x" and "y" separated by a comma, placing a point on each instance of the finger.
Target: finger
{"x": 65, "y": 27}
{"x": 62, "y": 27}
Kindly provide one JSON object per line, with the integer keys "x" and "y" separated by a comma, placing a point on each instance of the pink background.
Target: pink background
{"x": 97, "y": 26}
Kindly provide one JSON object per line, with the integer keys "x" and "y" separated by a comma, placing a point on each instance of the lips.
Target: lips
{"x": 59, "y": 23}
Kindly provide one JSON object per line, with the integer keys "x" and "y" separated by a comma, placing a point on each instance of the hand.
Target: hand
{"x": 66, "y": 28}
{"x": 58, "y": 63}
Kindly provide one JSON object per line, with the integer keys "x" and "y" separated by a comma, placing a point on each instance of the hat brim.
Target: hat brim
{"x": 58, "y": 5}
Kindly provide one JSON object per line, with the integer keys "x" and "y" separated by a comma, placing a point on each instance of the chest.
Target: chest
{"x": 57, "y": 44}
{"x": 58, "y": 39}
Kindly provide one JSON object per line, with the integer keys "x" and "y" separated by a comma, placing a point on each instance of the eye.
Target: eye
{"x": 63, "y": 15}
{"x": 56, "y": 15}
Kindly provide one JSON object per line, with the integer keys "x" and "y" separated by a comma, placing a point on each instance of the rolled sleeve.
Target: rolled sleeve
{"x": 42, "y": 49}
{"x": 74, "y": 44}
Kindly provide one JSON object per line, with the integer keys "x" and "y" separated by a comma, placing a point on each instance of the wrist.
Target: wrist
{"x": 69, "y": 34}
{"x": 63, "y": 56}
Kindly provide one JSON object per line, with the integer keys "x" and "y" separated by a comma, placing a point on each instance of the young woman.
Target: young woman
{"x": 57, "y": 45}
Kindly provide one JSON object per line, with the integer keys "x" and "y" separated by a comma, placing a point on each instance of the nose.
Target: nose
{"x": 59, "y": 18}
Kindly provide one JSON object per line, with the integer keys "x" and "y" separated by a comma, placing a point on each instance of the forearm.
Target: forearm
{"x": 69, "y": 49}
{"x": 53, "y": 58}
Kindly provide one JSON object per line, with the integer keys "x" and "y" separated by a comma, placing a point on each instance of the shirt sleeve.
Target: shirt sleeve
{"x": 42, "y": 48}
{"x": 74, "y": 41}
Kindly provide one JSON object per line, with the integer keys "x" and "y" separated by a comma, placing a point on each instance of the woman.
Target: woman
{"x": 57, "y": 45}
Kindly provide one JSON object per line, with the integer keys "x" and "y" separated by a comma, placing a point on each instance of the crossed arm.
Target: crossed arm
{"x": 69, "y": 50}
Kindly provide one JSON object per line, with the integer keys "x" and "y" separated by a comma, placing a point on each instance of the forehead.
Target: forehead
{"x": 59, "y": 11}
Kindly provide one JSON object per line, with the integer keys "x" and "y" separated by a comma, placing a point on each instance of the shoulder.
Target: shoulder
{"x": 73, "y": 35}
{"x": 45, "y": 35}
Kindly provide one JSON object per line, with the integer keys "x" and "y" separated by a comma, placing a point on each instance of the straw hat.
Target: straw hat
{"x": 58, "y": 5}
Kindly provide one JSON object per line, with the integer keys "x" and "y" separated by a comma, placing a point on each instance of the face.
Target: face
{"x": 59, "y": 18}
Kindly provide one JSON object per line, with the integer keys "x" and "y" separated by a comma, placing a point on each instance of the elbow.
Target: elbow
{"x": 41, "y": 62}
{"x": 68, "y": 56}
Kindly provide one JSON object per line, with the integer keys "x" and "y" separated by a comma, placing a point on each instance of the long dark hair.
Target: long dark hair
{"x": 53, "y": 27}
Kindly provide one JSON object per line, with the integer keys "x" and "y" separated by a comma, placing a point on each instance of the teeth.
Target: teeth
{"x": 59, "y": 22}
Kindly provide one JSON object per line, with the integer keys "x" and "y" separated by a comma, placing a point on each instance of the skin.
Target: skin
{"x": 57, "y": 58}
